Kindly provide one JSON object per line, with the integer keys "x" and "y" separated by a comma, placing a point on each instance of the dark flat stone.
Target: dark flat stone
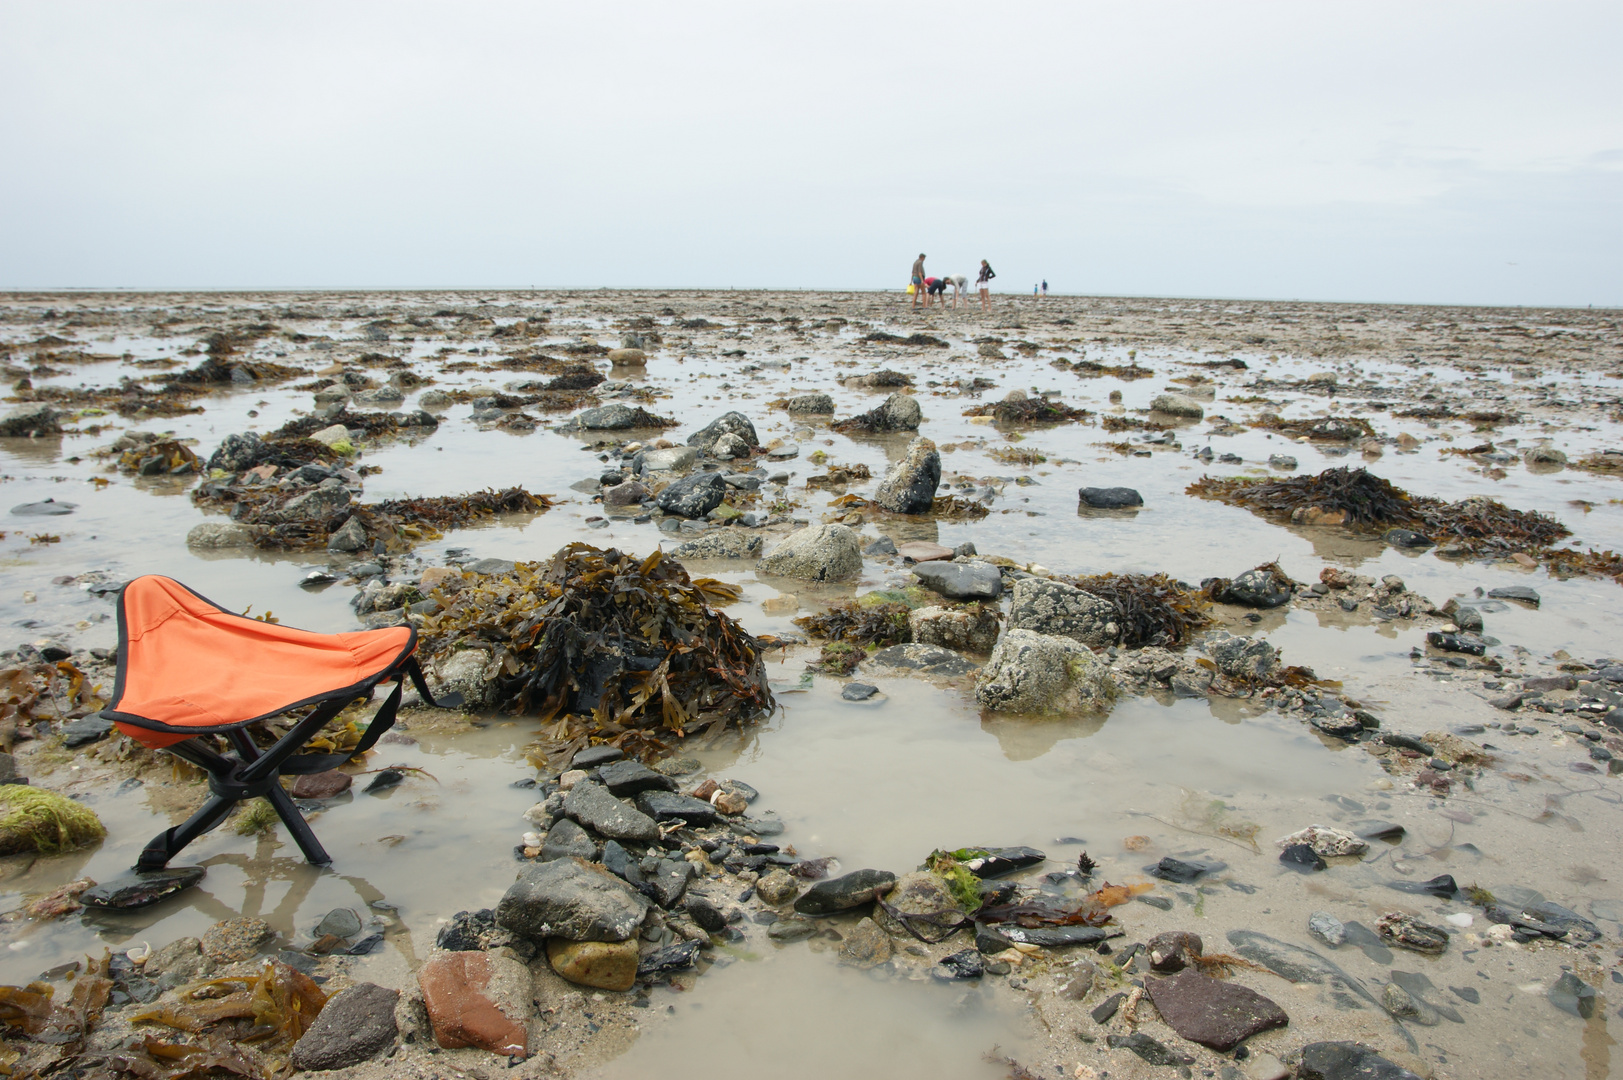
{"x": 669, "y": 806}
{"x": 1302, "y": 858}
{"x": 624, "y": 778}
{"x": 139, "y": 890}
{"x": 1147, "y": 1048}
{"x": 679, "y": 957}
{"x": 845, "y": 892}
{"x": 84, "y": 731}
{"x": 857, "y": 691}
{"x": 965, "y": 964}
{"x": 1347, "y": 1061}
{"x": 1111, "y": 498}
{"x": 1442, "y": 886}
{"x": 1183, "y": 871}
{"x": 999, "y": 861}
{"x": 593, "y": 756}
{"x": 1212, "y": 1012}
{"x": 1103, "y": 1011}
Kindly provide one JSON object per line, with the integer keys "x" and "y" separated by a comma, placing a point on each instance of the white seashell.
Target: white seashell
{"x": 139, "y": 954}
{"x": 532, "y": 839}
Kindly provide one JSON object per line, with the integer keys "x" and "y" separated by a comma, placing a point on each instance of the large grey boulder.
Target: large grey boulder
{"x": 592, "y": 806}
{"x": 816, "y": 553}
{"x": 220, "y": 534}
{"x": 354, "y": 1026}
{"x": 567, "y": 839}
{"x": 1177, "y": 405}
{"x": 693, "y": 496}
{"x": 970, "y": 579}
{"x": 899, "y": 412}
{"x": 350, "y": 536}
{"x": 1260, "y": 588}
{"x": 669, "y": 459}
{"x": 236, "y": 452}
{"x": 31, "y": 420}
{"x": 1110, "y": 498}
{"x": 810, "y": 403}
{"x": 909, "y": 486}
{"x": 607, "y": 418}
{"x": 1061, "y": 610}
{"x": 734, "y": 423}
{"x": 571, "y": 898}
{"x": 1035, "y": 673}
{"x": 320, "y": 503}
{"x": 1241, "y": 657}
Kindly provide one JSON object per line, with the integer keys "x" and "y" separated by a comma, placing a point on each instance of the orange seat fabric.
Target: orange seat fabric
{"x": 186, "y": 666}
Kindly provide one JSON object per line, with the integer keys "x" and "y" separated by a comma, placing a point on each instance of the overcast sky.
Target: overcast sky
{"x": 1406, "y": 151}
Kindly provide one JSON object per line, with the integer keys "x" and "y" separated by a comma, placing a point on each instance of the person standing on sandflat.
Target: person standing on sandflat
{"x": 983, "y": 282}
{"x": 918, "y": 281}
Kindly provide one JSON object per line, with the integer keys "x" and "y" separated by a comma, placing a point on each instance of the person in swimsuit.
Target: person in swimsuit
{"x": 918, "y": 281}
{"x": 983, "y": 282}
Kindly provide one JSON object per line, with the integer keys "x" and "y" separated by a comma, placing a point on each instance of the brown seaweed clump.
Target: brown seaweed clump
{"x": 1016, "y": 455}
{"x": 1029, "y": 410}
{"x": 857, "y": 623}
{"x": 1151, "y": 609}
{"x": 1322, "y": 429}
{"x": 1358, "y": 495}
{"x": 1092, "y": 369}
{"x": 608, "y": 648}
{"x": 43, "y": 691}
{"x": 839, "y": 476}
{"x": 398, "y": 523}
{"x": 167, "y": 457}
{"x": 1130, "y": 423}
{"x": 373, "y": 423}
{"x": 927, "y": 341}
{"x": 129, "y": 399}
{"x": 1355, "y": 497}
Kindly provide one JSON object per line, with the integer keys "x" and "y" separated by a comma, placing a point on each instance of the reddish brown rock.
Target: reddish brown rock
{"x": 321, "y": 785}
{"x": 1210, "y": 1012}
{"x": 923, "y": 551}
{"x": 478, "y": 999}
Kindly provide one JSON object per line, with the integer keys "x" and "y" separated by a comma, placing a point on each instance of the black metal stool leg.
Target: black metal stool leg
{"x": 167, "y": 844}
{"x": 297, "y": 827}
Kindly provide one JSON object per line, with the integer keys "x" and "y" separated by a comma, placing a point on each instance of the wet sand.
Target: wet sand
{"x": 883, "y": 783}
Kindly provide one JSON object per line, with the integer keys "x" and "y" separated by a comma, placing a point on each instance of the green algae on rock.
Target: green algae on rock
{"x": 34, "y": 819}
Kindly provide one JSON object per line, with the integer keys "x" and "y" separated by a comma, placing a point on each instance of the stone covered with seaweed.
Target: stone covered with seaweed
{"x": 607, "y": 648}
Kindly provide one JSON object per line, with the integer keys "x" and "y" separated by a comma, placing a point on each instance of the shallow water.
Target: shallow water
{"x": 883, "y": 783}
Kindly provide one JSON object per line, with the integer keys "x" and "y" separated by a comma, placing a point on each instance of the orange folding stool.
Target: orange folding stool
{"x": 188, "y": 670}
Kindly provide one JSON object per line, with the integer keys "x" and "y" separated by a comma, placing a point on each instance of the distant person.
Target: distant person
{"x": 918, "y": 280}
{"x": 935, "y": 288}
{"x": 1045, "y": 287}
{"x": 983, "y": 282}
{"x": 959, "y": 284}
{"x": 1034, "y": 290}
